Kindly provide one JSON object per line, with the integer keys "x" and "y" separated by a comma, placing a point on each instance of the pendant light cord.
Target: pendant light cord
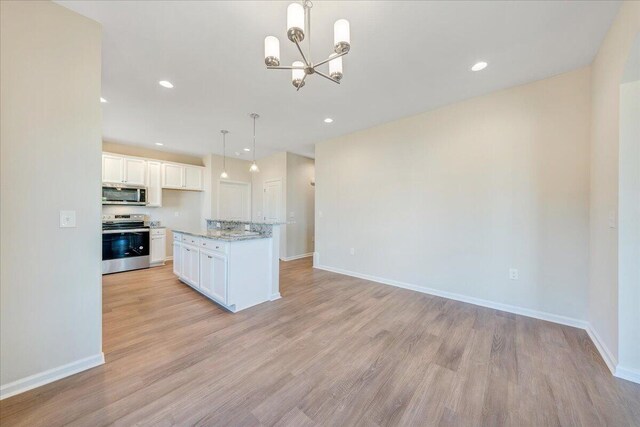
{"x": 254, "y": 139}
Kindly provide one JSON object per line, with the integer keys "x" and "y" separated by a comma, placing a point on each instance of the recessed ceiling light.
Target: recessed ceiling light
{"x": 328, "y": 120}
{"x": 159, "y": 143}
{"x": 102, "y": 100}
{"x": 165, "y": 83}
{"x": 247, "y": 149}
{"x": 479, "y": 66}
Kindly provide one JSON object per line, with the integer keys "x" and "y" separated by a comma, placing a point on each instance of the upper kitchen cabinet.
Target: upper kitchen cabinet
{"x": 154, "y": 184}
{"x": 182, "y": 177}
{"x": 123, "y": 170}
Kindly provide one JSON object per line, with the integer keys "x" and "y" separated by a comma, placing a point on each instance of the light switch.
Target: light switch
{"x": 292, "y": 214}
{"x": 67, "y": 219}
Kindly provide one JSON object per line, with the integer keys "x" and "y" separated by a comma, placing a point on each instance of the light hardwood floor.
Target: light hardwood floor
{"x": 334, "y": 351}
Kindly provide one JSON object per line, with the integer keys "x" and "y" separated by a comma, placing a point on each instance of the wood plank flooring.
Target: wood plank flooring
{"x": 333, "y": 351}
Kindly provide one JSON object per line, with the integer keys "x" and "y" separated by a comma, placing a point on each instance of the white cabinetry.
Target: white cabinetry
{"x": 172, "y": 176}
{"x": 112, "y": 169}
{"x": 158, "y": 246}
{"x": 182, "y": 177}
{"x": 236, "y": 274}
{"x": 134, "y": 171}
{"x": 213, "y": 275}
{"x": 123, "y": 170}
{"x": 191, "y": 265}
{"x": 156, "y": 175}
{"x": 154, "y": 184}
{"x": 177, "y": 255}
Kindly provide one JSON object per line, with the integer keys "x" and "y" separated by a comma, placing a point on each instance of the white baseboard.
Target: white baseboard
{"x": 169, "y": 258}
{"x": 556, "y": 318}
{"x": 628, "y": 374}
{"x": 291, "y": 258}
{"x": 51, "y": 375}
{"x": 275, "y": 296}
{"x": 602, "y": 348}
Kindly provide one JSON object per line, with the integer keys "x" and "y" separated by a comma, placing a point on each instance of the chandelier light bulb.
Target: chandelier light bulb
{"x": 254, "y": 167}
{"x": 341, "y": 36}
{"x": 224, "y": 175}
{"x": 295, "y": 22}
{"x": 335, "y": 67}
{"x": 297, "y": 74}
{"x": 271, "y": 51}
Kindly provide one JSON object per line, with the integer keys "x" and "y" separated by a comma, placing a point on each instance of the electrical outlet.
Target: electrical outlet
{"x": 247, "y": 227}
{"x": 513, "y": 274}
{"x": 67, "y": 219}
{"x": 176, "y": 213}
{"x": 352, "y": 251}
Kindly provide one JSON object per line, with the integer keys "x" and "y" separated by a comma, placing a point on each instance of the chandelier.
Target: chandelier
{"x": 299, "y": 21}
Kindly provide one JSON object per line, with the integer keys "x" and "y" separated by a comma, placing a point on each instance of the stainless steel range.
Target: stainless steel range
{"x": 125, "y": 242}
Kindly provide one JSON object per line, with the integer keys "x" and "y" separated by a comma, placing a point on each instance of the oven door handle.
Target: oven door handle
{"x": 134, "y": 230}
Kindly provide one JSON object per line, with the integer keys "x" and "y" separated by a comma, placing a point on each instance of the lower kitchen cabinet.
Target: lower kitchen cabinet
{"x": 158, "y": 250}
{"x": 237, "y": 274}
{"x": 213, "y": 275}
{"x": 177, "y": 258}
{"x": 190, "y": 265}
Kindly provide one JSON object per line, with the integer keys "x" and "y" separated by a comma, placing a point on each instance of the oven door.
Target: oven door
{"x": 124, "y": 250}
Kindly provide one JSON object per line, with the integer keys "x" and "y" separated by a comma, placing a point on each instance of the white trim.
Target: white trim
{"x": 169, "y": 258}
{"x": 542, "y": 315}
{"x": 291, "y": 258}
{"x": 275, "y": 296}
{"x": 51, "y": 375}
{"x": 628, "y": 374}
{"x": 604, "y": 351}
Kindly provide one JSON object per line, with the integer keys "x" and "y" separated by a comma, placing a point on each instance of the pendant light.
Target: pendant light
{"x": 224, "y": 174}
{"x": 254, "y": 166}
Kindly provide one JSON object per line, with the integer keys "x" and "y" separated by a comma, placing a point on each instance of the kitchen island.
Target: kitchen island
{"x": 235, "y": 264}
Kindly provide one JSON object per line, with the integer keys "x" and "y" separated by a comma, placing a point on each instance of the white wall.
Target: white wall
{"x": 237, "y": 169}
{"x": 300, "y": 205}
{"x": 453, "y": 198}
{"x": 606, "y": 73}
{"x": 629, "y": 218}
{"x": 50, "y": 126}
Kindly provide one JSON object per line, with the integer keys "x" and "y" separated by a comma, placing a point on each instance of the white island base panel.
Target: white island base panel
{"x": 234, "y": 274}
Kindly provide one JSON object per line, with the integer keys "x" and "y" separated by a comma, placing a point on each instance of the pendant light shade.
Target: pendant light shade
{"x": 224, "y": 174}
{"x": 297, "y": 74}
{"x": 254, "y": 166}
{"x": 341, "y": 36}
{"x": 335, "y": 67}
{"x": 271, "y": 51}
{"x": 295, "y": 22}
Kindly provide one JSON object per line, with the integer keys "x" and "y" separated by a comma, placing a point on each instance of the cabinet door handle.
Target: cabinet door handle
{"x": 188, "y": 250}
{"x": 209, "y": 256}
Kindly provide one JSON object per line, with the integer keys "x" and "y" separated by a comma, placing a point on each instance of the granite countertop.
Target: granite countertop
{"x": 231, "y": 221}
{"x": 225, "y": 236}
{"x": 153, "y": 227}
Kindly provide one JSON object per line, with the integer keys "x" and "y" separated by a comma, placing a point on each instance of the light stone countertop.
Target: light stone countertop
{"x": 225, "y": 236}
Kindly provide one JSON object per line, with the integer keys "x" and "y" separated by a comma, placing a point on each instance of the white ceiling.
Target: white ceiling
{"x": 406, "y": 57}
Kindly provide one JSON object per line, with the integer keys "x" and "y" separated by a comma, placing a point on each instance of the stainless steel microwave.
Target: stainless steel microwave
{"x": 118, "y": 194}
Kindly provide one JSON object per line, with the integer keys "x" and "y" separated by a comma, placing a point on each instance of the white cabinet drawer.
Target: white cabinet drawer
{"x": 159, "y": 232}
{"x": 177, "y": 236}
{"x": 191, "y": 240}
{"x": 214, "y": 245}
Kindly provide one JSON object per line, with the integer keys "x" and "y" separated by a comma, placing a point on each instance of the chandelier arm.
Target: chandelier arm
{"x": 331, "y": 58}
{"x": 301, "y": 82}
{"x": 285, "y": 67}
{"x": 304, "y": 58}
{"x": 325, "y": 76}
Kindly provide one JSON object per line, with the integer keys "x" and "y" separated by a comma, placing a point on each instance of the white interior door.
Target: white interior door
{"x": 233, "y": 201}
{"x": 272, "y": 200}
